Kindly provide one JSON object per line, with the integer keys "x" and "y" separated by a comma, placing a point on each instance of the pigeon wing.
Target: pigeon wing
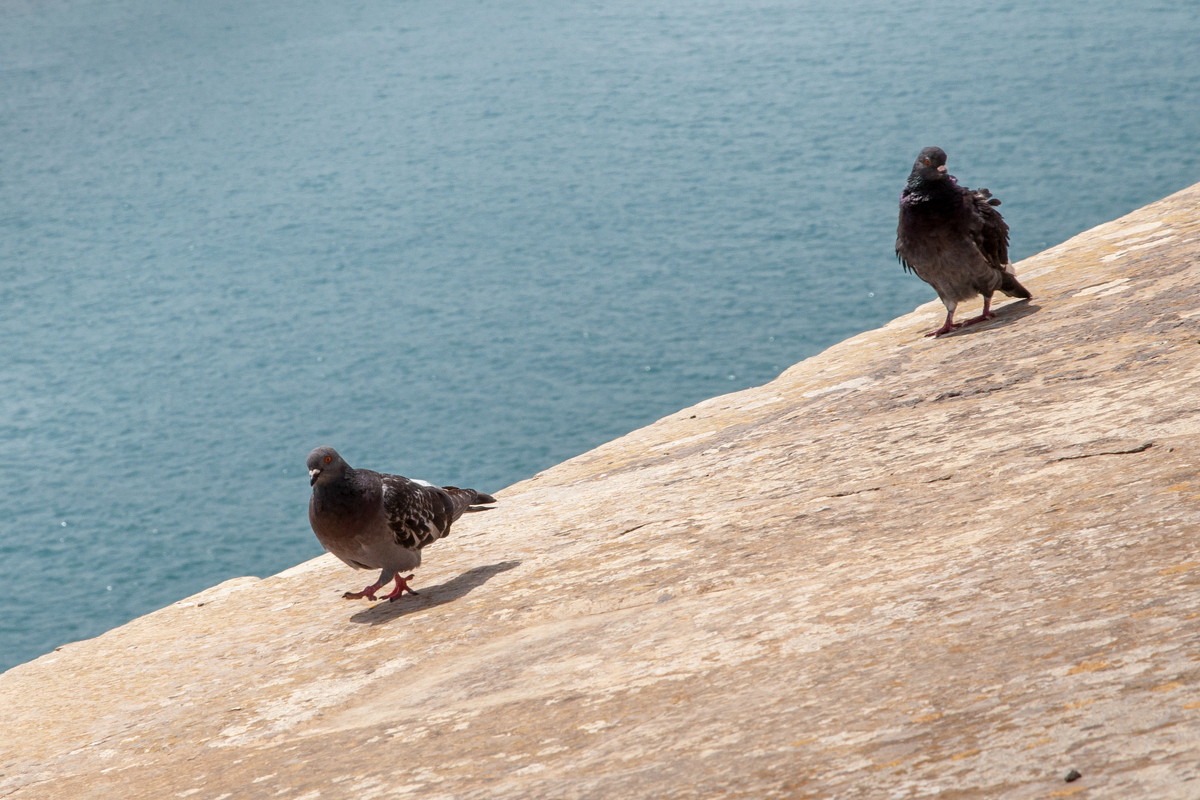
{"x": 988, "y": 228}
{"x": 416, "y": 513}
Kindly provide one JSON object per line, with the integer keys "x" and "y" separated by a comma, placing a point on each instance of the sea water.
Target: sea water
{"x": 466, "y": 240}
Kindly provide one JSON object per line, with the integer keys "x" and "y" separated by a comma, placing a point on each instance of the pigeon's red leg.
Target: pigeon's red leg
{"x": 948, "y": 326}
{"x": 368, "y": 592}
{"x": 986, "y": 315}
{"x": 401, "y": 587}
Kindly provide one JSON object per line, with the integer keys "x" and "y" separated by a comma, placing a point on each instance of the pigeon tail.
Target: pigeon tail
{"x": 463, "y": 499}
{"x": 1011, "y": 286}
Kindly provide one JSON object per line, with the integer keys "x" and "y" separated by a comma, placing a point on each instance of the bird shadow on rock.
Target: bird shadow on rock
{"x": 1005, "y": 315}
{"x": 432, "y": 596}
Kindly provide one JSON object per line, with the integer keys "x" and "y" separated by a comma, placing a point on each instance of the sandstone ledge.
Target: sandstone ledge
{"x": 906, "y": 567}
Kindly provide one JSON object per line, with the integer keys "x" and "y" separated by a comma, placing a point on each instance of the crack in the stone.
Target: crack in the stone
{"x": 1141, "y": 448}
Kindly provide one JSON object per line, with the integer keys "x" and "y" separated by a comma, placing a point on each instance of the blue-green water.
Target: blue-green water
{"x": 464, "y": 240}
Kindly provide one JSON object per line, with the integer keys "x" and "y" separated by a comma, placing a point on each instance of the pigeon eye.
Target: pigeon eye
{"x": 927, "y": 162}
{"x": 328, "y": 459}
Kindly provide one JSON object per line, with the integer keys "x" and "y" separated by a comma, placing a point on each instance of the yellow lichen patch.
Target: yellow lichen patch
{"x": 1088, "y": 666}
{"x": 1144, "y": 613}
{"x": 926, "y": 718}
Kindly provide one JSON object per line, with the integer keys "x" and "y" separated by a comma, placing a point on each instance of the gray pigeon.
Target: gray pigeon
{"x": 954, "y": 239}
{"x": 375, "y": 521}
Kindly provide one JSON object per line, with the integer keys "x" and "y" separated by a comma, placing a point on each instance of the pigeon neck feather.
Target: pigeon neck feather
{"x": 920, "y": 189}
{"x": 347, "y": 491}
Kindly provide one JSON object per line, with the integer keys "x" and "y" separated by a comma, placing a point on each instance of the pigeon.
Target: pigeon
{"x": 954, "y": 239}
{"x": 371, "y": 520}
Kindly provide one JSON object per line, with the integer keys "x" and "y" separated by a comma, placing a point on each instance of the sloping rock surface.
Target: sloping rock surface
{"x": 906, "y": 567}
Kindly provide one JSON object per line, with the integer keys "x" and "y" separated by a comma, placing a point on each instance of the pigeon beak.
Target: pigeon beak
{"x": 313, "y": 474}
{"x": 942, "y": 168}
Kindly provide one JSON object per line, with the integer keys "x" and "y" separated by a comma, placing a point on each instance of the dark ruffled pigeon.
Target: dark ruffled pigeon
{"x": 374, "y": 521}
{"x": 954, "y": 239}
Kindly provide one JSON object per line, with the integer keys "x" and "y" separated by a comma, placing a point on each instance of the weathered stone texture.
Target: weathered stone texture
{"x": 908, "y": 567}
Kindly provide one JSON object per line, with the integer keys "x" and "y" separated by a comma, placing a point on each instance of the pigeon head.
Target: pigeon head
{"x": 929, "y": 167}
{"x": 325, "y": 465}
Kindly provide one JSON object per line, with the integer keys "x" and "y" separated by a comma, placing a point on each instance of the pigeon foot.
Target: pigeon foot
{"x": 401, "y": 587}
{"x": 984, "y": 317}
{"x": 948, "y": 325}
{"x": 947, "y": 328}
{"x": 368, "y": 592}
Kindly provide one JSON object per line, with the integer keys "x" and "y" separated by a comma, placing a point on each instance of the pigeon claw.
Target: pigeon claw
{"x": 401, "y": 587}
